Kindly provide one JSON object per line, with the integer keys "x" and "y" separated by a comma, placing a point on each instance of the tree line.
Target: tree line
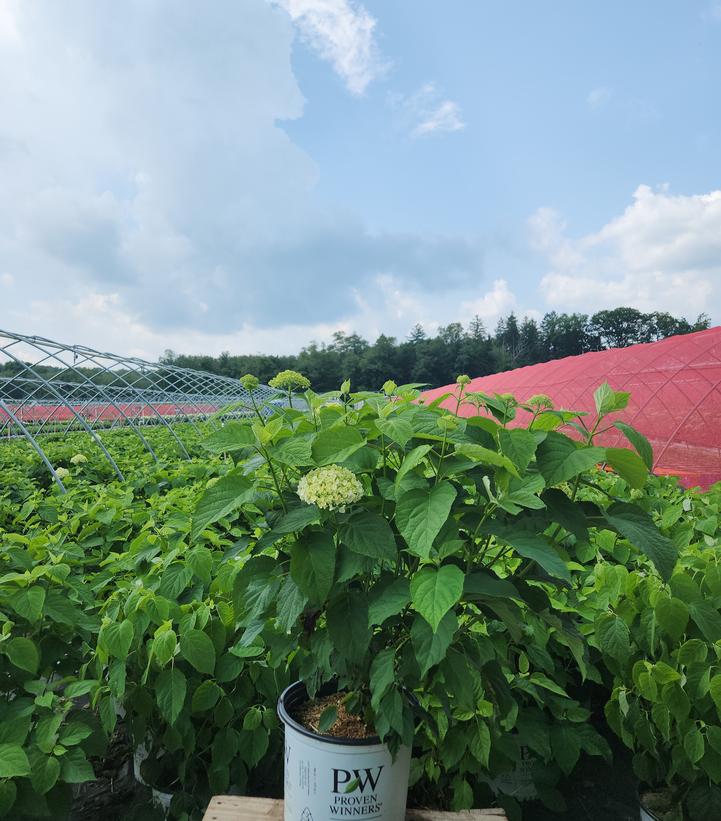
{"x": 437, "y": 360}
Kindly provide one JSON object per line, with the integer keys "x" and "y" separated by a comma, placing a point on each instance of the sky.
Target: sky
{"x": 251, "y": 175}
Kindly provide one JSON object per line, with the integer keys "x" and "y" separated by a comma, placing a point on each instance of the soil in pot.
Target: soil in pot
{"x": 346, "y": 725}
{"x": 657, "y": 804}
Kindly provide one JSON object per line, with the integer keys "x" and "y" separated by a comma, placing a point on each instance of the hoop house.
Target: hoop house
{"x": 675, "y": 388}
{"x": 50, "y": 388}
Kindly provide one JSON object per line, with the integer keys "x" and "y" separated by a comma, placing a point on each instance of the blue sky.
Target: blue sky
{"x": 262, "y": 173}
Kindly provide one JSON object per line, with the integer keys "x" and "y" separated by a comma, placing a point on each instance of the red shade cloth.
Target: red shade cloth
{"x": 675, "y": 388}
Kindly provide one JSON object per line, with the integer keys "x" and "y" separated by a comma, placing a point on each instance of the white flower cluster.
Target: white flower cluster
{"x": 330, "y": 488}
{"x": 79, "y": 459}
{"x": 62, "y": 473}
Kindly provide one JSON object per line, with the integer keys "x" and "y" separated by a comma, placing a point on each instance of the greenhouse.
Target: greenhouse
{"x": 675, "y": 397}
{"x": 48, "y": 388}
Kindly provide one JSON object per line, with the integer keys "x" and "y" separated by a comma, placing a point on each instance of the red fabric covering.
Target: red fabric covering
{"x": 675, "y": 387}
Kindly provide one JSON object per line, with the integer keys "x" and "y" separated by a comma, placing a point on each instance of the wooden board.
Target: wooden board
{"x": 243, "y": 808}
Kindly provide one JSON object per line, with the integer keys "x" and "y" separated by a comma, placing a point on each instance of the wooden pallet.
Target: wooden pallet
{"x": 243, "y": 808}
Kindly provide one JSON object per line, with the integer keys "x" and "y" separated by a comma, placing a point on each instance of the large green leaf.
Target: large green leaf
{"x": 532, "y": 546}
{"x": 672, "y": 616}
{"x": 116, "y": 637}
{"x": 296, "y": 519}
{"x": 411, "y": 460}
{"x": 435, "y": 590}
{"x": 707, "y": 619}
{"x": 312, "y": 564}
{"x": 23, "y": 653}
{"x": 399, "y": 430}
{"x": 485, "y": 584}
{"x": 518, "y": 445}
{"x": 486, "y": 456}
{"x": 382, "y": 675}
{"x": 75, "y": 767}
{"x": 220, "y": 499}
{"x": 336, "y": 444}
{"x": 628, "y": 465}
{"x": 430, "y": 646}
{"x": 293, "y": 450}
{"x": 388, "y": 599}
{"x": 170, "y": 690}
{"x": 197, "y": 648}
{"x": 636, "y": 525}
{"x": 639, "y": 441}
{"x": 291, "y": 603}
{"x": 613, "y": 636}
{"x": 347, "y": 619}
{"x": 566, "y": 513}
{"x": 608, "y": 400}
{"x": 28, "y": 602}
{"x": 369, "y": 534}
{"x": 13, "y": 761}
{"x": 231, "y": 437}
{"x": 44, "y": 772}
{"x": 560, "y": 458}
{"x": 421, "y": 513}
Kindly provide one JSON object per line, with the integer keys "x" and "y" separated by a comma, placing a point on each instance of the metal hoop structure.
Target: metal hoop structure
{"x": 47, "y": 387}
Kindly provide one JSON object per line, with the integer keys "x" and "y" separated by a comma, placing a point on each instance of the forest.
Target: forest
{"x": 437, "y": 360}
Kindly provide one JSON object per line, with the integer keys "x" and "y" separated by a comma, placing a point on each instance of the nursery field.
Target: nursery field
{"x": 531, "y": 613}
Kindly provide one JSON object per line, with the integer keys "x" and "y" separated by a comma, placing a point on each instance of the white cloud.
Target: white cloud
{"x": 145, "y": 179}
{"x": 343, "y": 33}
{"x": 427, "y": 112}
{"x": 662, "y": 253}
{"x": 598, "y": 97}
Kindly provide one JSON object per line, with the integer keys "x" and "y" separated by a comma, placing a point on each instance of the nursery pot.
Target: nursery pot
{"x": 328, "y": 777}
{"x": 645, "y": 811}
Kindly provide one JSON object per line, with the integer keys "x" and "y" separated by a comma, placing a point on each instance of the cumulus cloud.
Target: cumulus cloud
{"x": 427, "y": 111}
{"x": 343, "y": 33}
{"x": 146, "y": 179}
{"x": 662, "y": 253}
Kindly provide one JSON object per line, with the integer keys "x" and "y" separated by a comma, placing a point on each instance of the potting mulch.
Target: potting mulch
{"x": 346, "y": 725}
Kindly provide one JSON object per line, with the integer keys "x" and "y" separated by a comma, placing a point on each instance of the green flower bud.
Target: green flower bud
{"x": 249, "y": 382}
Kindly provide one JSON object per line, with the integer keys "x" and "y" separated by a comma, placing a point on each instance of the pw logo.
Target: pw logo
{"x": 351, "y": 780}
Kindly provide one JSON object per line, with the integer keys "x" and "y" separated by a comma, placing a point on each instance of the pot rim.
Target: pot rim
{"x": 297, "y": 693}
{"x": 642, "y": 804}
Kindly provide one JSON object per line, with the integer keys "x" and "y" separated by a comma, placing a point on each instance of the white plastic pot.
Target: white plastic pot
{"x": 328, "y": 778}
{"x": 162, "y": 800}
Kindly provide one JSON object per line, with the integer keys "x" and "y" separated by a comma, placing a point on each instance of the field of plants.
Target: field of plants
{"x": 495, "y": 596}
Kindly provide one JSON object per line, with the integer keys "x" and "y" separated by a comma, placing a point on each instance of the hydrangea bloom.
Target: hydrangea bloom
{"x": 289, "y": 381}
{"x": 330, "y": 488}
{"x": 249, "y": 382}
{"x": 79, "y": 459}
{"x": 62, "y": 473}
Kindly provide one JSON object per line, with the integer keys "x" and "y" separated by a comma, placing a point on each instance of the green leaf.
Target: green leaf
{"x": 369, "y": 534}
{"x": 116, "y": 637}
{"x": 170, "y": 690}
{"x": 421, "y": 513}
{"x": 431, "y": 646}
{"x": 75, "y": 768}
{"x": 231, "y": 437}
{"x": 483, "y": 584}
{"x": 164, "y": 645}
{"x": 486, "y": 456}
{"x": 412, "y": 459}
{"x": 22, "y": 653}
{"x": 628, "y": 465}
{"x": 291, "y": 603}
{"x": 8, "y": 793}
{"x": 693, "y": 745}
{"x": 566, "y": 513}
{"x": 205, "y": 697}
{"x": 636, "y": 525}
{"x": 29, "y": 602}
{"x": 608, "y": 400}
{"x": 672, "y": 616}
{"x": 73, "y": 733}
{"x": 347, "y": 619}
{"x": 197, "y": 648}
{"x": 535, "y": 547}
{"x": 566, "y": 746}
{"x": 613, "y": 636}
{"x": 226, "y": 495}
{"x": 327, "y": 719}
{"x": 200, "y": 561}
{"x": 435, "y": 590}
{"x": 296, "y": 519}
{"x": 639, "y": 441}
{"x": 334, "y": 445}
{"x": 44, "y": 772}
{"x": 244, "y": 651}
{"x": 174, "y": 580}
{"x": 388, "y": 600}
{"x": 399, "y": 430}
{"x": 312, "y": 565}
{"x": 560, "y": 458}
{"x": 519, "y": 445}
{"x": 382, "y": 675}
{"x": 294, "y": 451}
{"x": 13, "y": 761}
{"x": 707, "y": 619}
